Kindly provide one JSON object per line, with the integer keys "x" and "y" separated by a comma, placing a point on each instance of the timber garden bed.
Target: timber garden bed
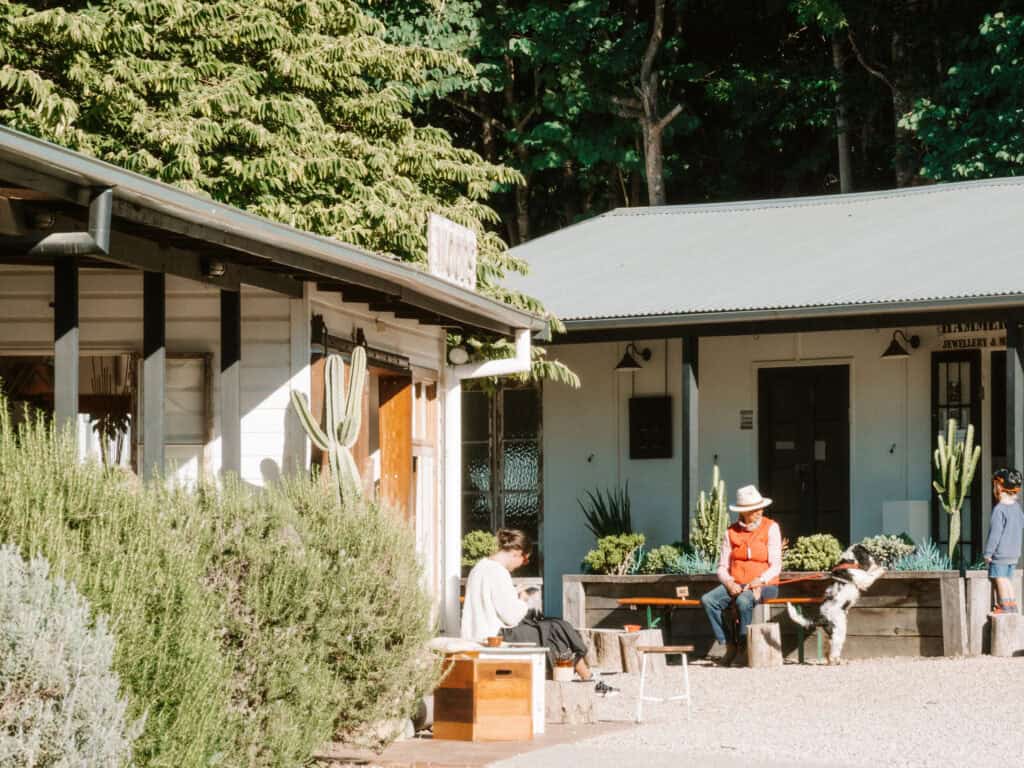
{"x": 906, "y": 613}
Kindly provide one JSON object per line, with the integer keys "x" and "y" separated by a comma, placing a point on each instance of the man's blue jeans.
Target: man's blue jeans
{"x": 718, "y": 599}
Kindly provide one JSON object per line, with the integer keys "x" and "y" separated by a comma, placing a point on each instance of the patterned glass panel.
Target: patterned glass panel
{"x": 520, "y": 461}
{"x": 521, "y": 510}
{"x": 476, "y": 513}
{"x": 476, "y": 416}
{"x": 522, "y": 413}
{"x": 476, "y": 467}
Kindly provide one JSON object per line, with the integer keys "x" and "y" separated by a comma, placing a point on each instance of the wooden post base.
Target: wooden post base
{"x": 1006, "y": 633}
{"x": 603, "y": 648}
{"x": 631, "y": 659}
{"x": 764, "y": 645}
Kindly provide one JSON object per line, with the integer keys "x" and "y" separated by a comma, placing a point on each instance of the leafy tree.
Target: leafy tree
{"x": 296, "y": 110}
{"x": 971, "y": 128}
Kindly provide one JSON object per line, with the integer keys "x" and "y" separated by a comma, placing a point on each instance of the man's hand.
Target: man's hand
{"x": 733, "y": 589}
{"x": 988, "y": 561}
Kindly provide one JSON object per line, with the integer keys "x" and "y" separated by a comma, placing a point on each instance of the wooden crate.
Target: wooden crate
{"x": 484, "y": 700}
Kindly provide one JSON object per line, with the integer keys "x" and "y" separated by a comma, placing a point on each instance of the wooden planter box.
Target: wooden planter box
{"x": 911, "y": 613}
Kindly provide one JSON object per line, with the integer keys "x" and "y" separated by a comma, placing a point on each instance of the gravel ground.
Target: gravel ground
{"x": 904, "y": 713}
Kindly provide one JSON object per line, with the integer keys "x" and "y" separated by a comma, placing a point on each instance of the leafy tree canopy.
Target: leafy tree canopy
{"x": 298, "y": 110}
{"x": 971, "y": 128}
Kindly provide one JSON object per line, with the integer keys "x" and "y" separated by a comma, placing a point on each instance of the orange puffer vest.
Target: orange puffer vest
{"x": 748, "y": 557}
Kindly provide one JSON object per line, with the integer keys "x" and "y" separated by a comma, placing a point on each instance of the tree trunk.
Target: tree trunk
{"x": 651, "y": 122}
{"x": 842, "y": 120}
{"x": 653, "y": 164}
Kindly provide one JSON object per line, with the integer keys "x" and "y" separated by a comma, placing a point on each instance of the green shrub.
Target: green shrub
{"x": 59, "y": 702}
{"x": 660, "y": 559}
{"x": 476, "y": 545}
{"x": 608, "y": 513}
{"x": 252, "y": 627}
{"x": 926, "y": 557}
{"x": 888, "y": 549}
{"x": 818, "y": 552}
{"x": 616, "y": 555}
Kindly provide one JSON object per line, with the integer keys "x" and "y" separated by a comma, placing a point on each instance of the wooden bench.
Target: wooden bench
{"x": 800, "y": 632}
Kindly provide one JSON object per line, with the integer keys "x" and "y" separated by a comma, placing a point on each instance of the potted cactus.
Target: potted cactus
{"x": 342, "y": 410}
{"x": 955, "y": 463}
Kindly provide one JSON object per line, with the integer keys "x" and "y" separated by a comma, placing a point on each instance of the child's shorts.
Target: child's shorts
{"x": 1000, "y": 570}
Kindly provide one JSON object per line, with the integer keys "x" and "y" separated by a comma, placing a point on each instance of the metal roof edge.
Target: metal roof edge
{"x": 640, "y": 322}
{"x": 81, "y": 170}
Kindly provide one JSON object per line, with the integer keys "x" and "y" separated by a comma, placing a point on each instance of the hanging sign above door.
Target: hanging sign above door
{"x": 981, "y": 334}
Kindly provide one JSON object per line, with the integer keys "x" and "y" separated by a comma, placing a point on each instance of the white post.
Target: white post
{"x": 154, "y": 371}
{"x": 296, "y": 442}
{"x": 230, "y": 382}
{"x": 451, "y": 386}
{"x": 65, "y": 343}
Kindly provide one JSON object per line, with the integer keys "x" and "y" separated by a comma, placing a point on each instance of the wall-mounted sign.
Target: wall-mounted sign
{"x": 981, "y": 334}
{"x": 746, "y": 419}
{"x": 451, "y": 251}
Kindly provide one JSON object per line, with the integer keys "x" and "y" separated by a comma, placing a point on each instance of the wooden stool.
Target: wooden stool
{"x": 667, "y": 650}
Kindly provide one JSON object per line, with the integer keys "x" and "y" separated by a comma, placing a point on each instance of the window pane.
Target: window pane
{"x": 476, "y": 513}
{"x": 521, "y": 416}
{"x": 476, "y": 468}
{"x": 475, "y": 415}
{"x": 520, "y": 461}
{"x": 521, "y": 510}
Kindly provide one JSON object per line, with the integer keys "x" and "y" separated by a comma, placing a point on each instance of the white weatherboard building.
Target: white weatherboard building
{"x": 189, "y": 323}
{"x": 770, "y": 329}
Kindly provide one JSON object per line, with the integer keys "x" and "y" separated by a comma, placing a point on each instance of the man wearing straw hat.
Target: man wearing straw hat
{"x": 750, "y": 562}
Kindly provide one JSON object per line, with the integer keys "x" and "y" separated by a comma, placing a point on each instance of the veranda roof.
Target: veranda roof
{"x": 958, "y": 245}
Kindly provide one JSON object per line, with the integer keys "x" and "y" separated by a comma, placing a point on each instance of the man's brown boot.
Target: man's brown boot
{"x": 730, "y": 654}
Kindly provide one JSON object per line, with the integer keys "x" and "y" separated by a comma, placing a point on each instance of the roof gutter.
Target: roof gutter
{"x": 799, "y": 313}
{"x": 94, "y": 242}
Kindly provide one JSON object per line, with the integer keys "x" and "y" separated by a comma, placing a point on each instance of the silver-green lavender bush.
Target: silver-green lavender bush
{"x": 887, "y": 549}
{"x": 59, "y": 697}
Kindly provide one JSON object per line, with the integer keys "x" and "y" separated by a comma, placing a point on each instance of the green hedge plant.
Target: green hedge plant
{"x": 60, "y": 703}
{"x": 818, "y": 552}
{"x": 660, "y": 559}
{"x": 618, "y": 555}
{"x": 476, "y": 545}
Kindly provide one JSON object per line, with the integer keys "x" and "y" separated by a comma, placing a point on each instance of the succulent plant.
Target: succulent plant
{"x": 955, "y": 463}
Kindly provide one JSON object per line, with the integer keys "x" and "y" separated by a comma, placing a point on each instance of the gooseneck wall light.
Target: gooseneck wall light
{"x": 628, "y": 363}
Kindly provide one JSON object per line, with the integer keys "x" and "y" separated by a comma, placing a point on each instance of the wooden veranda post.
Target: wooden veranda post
{"x": 691, "y": 431}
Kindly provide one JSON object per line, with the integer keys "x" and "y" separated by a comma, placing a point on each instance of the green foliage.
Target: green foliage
{"x": 970, "y": 127}
{"x": 711, "y": 521}
{"x": 692, "y": 562}
{"x": 663, "y": 559}
{"x": 888, "y": 549}
{"x": 617, "y": 555}
{"x": 342, "y": 410}
{"x": 251, "y": 627}
{"x": 59, "y": 702}
{"x": 926, "y": 557}
{"x": 955, "y": 463}
{"x": 476, "y": 545}
{"x": 608, "y": 512}
{"x": 818, "y": 552}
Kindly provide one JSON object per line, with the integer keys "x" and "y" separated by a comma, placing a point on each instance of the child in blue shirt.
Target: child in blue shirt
{"x": 1002, "y": 549}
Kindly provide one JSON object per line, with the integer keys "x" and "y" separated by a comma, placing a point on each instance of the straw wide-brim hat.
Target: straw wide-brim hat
{"x": 748, "y": 498}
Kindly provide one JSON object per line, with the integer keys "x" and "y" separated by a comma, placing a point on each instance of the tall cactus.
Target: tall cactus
{"x": 955, "y": 463}
{"x": 341, "y": 419}
{"x": 712, "y": 519}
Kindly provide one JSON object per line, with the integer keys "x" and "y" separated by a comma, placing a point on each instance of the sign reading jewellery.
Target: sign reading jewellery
{"x": 981, "y": 334}
{"x": 451, "y": 251}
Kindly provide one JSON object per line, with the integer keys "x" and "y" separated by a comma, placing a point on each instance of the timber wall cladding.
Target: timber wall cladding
{"x": 900, "y": 616}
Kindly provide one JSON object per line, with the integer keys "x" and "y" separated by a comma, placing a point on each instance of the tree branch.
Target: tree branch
{"x": 481, "y": 116}
{"x": 628, "y": 108}
{"x": 874, "y": 71}
{"x": 672, "y": 115}
{"x": 654, "y": 42}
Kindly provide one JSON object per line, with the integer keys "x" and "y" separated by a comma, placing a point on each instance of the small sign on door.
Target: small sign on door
{"x": 820, "y": 452}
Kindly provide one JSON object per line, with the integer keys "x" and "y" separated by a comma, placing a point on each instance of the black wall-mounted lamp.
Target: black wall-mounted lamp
{"x": 896, "y": 351}
{"x": 628, "y": 363}
{"x": 214, "y": 268}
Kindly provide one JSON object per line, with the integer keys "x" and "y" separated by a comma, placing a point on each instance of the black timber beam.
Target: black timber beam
{"x": 791, "y": 325}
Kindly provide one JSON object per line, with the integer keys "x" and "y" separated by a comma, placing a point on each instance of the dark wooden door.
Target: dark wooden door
{"x": 395, "y": 419}
{"x": 804, "y": 448}
{"x": 956, "y": 394}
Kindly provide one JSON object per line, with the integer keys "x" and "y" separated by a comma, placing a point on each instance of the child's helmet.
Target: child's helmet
{"x": 1009, "y": 479}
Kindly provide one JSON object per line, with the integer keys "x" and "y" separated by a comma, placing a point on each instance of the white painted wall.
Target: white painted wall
{"x": 586, "y": 436}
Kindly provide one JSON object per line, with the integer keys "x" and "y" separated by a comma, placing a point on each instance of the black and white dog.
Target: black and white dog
{"x": 852, "y": 576}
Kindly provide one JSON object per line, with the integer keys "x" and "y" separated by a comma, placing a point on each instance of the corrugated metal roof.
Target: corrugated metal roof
{"x": 928, "y": 245}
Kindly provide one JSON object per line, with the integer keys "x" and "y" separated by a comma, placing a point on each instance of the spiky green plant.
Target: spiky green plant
{"x": 712, "y": 519}
{"x": 343, "y": 408}
{"x": 608, "y": 513}
{"x": 926, "y": 557}
{"x": 955, "y": 463}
